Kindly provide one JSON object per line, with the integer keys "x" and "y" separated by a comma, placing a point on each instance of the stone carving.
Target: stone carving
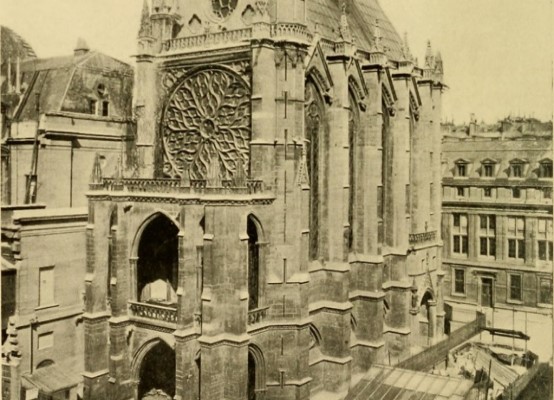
{"x": 206, "y": 125}
{"x": 172, "y": 76}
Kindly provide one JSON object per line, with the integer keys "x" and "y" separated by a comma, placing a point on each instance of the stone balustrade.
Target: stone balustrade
{"x": 423, "y": 237}
{"x": 258, "y": 315}
{"x": 297, "y": 31}
{"x": 207, "y": 39}
{"x": 178, "y": 186}
{"x": 153, "y": 311}
{"x": 278, "y": 31}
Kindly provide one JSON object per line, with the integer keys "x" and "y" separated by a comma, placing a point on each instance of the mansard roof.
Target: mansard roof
{"x": 324, "y": 16}
{"x": 52, "y": 77}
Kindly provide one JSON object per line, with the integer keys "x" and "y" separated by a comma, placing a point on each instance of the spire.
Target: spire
{"x": 96, "y": 176}
{"x": 345, "y": 33}
{"x": 377, "y": 38}
{"x": 438, "y": 63}
{"x": 81, "y": 48}
{"x": 145, "y": 23}
{"x": 406, "y": 48}
{"x": 429, "y": 59}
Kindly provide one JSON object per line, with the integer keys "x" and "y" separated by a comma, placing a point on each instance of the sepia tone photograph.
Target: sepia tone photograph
{"x": 276, "y": 199}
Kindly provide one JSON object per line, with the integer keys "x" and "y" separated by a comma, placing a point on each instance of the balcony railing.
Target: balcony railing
{"x": 258, "y": 315}
{"x": 154, "y": 311}
{"x": 277, "y": 31}
{"x": 423, "y": 237}
{"x": 177, "y": 186}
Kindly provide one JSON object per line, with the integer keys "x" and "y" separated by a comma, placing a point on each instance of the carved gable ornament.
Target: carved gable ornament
{"x": 206, "y": 127}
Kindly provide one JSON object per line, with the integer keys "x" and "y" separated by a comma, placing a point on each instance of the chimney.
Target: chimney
{"x": 472, "y": 125}
{"x": 81, "y": 48}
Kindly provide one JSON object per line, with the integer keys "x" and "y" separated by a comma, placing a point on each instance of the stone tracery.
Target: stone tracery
{"x": 206, "y": 125}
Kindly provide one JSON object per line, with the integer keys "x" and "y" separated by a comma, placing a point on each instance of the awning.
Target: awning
{"x": 51, "y": 379}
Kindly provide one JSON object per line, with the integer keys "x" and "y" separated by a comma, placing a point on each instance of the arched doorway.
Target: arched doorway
{"x": 157, "y": 373}
{"x": 256, "y": 373}
{"x": 425, "y": 312}
{"x": 157, "y": 265}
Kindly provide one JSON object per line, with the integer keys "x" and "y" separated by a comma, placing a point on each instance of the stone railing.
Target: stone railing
{"x": 281, "y": 30}
{"x": 298, "y": 31}
{"x": 178, "y": 186}
{"x": 153, "y": 311}
{"x": 258, "y": 315}
{"x": 207, "y": 39}
{"x": 423, "y": 237}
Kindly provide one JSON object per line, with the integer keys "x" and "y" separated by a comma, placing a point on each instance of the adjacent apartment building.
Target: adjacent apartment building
{"x": 59, "y": 115}
{"x": 497, "y": 216}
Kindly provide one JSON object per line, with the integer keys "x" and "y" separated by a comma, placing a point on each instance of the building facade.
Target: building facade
{"x": 278, "y": 229}
{"x": 497, "y": 216}
{"x": 59, "y": 115}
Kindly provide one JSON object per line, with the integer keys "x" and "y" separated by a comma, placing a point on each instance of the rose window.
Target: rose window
{"x": 223, "y": 8}
{"x": 206, "y": 126}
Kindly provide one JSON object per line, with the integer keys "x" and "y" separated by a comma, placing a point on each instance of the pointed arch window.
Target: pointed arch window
{"x": 111, "y": 252}
{"x": 253, "y": 264}
{"x": 353, "y": 124}
{"x": 313, "y": 114}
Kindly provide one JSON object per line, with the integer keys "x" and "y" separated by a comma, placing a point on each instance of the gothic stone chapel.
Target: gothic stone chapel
{"x": 273, "y": 228}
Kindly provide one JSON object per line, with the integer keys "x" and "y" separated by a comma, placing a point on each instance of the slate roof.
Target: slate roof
{"x": 51, "y": 77}
{"x": 361, "y": 15}
{"x": 388, "y": 383}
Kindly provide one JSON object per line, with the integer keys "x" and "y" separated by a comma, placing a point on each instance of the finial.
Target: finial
{"x": 145, "y": 29}
{"x": 377, "y": 36}
{"x": 345, "y": 33}
{"x": 96, "y": 176}
{"x": 439, "y": 69}
{"x": 429, "y": 59}
{"x": 406, "y": 48}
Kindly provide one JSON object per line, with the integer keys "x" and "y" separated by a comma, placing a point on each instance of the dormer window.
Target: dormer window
{"x": 517, "y": 168}
{"x": 461, "y": 169}
{"x": 488, "y": 168}
{"x": 545, "y": 169}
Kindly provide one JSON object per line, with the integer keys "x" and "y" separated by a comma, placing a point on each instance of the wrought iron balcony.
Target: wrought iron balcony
{"x": 258, "y": 315}
{"x": 154, "y": 311}
{"x": 423, "y": 237}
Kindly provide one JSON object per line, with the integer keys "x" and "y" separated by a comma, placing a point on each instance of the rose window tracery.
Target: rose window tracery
{"x": 223, "y": 8}
{"x": 206, "y": 126}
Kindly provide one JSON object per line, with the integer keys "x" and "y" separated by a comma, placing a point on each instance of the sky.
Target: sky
{"x": 497, "y": 53}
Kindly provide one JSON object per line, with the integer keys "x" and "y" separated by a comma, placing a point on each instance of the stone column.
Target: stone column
{"x": 432, "y": 318}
